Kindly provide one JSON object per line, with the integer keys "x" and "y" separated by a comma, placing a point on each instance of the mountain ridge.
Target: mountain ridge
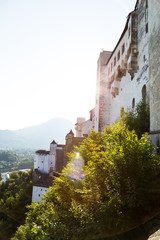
{"x": 37, "y": 136}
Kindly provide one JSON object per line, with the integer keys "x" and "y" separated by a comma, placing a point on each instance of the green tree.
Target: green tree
{"x": 138, "y": 119}
{"x": 119, "y": 179}
{"x": 15, "y": 194}
{"x": 8, "y": 156}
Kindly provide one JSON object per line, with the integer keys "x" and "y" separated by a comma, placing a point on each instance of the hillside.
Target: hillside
{"x": 38, "y": 136}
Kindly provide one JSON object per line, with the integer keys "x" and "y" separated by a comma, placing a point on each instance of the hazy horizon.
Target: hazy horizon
{"x": 49, "y": 51}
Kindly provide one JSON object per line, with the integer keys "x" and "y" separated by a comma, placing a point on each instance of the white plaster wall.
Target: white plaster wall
{"x": 97, "y": 96}
{"x": 52, "y": 161}
{"x": 154, "y": 63}
{"x": 101, "y": 77}
{"x": 38, "y": 162}
{"x": 41, "y": 163}
{"x": 86, "y": 127}
{"x": 38, "y": 192}
{"x": 46, "y": 166}
{"x": 129, "y": 88}
{"x": 53, "y": 148}
{"x": 126, "y": 40}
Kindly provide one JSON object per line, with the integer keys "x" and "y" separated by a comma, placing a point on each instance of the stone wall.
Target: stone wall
{"x": 38, "y": 192}
{"x": 101, "y": 103}
{"x": 124, "y": 80}
{"x": 154, "y": 63}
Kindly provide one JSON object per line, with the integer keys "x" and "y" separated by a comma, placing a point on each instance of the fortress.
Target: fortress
{"x": 125, "y": 76}
{"x": 130, "y": 73}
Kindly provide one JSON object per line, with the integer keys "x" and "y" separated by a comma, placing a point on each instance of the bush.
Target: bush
{"x": 138, "y": 119}
{"x": 116, "y": 190}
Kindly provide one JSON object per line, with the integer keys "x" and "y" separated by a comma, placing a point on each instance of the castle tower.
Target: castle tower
{"x": 69, "y": 137}
{"x": 102, "y": 99}
{"x": 78, "y": 127}
{"x": 53, "y": 146}
{"x": 52, "y": 156}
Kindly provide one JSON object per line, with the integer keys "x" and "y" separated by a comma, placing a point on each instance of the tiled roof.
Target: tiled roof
{"x": 53, "y": 142}
{"x": 44, "y": 180}
{"x": 43, "y": 152}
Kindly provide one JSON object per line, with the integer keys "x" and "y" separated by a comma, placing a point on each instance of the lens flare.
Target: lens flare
{"x": 76, "y": 168}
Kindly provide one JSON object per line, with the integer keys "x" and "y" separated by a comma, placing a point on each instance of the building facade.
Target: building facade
{"x": 125, "y": 76}
{"x": 131, "y": 72}
{"x": 48, "y": 164}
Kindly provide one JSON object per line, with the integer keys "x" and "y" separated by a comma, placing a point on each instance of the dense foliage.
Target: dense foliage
{"x": 8, "y": 156}
{"x": 138, "y": 119}
{"x": 10, "y": 161}
{"x": 15, "y": 194}
{"x": 112, "y": 187}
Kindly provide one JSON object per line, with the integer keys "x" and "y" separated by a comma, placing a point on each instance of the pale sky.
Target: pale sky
{"x": 48, "y": 56}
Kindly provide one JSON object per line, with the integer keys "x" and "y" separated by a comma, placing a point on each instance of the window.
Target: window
{"x": 123, "y": 48}
{"x": 146, "y": 3}
{"x": 144, "y": 58}
{"x": 146, "y": 27}
{"x": 118, "y": 55}
{"x": 144, "y": 93}
{"x": 129, "y": 32}
{"x": 114, "y": 61}
{"x": 39, "y": 195}
{"x": 133, "y": 103}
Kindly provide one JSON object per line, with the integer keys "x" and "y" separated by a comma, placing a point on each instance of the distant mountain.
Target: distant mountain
{"x": 36, "y": 137}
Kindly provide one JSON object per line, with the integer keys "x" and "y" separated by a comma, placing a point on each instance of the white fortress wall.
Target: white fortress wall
{"x": 154, "y": 68}
{"x": 38, "y": 192}
{"x": 128, "y": 66}
{"x": 100, "y": 88}
{"x": 39, "y": 162}
{"x": 46, "y": 165}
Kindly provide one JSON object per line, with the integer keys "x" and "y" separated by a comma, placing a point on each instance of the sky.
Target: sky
{"x": 48, "y": 56}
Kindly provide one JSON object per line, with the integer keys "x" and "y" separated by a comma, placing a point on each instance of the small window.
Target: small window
{"x": 42, "y": 161}
{"x": 144, "y": 93}
{"x": 133, "y": 103}
{"x": 144, "y": 58}
{"x": 146, "y": 3}
{"x": 114, "y": 61}
{"x": 118, "y": 55}
{"x": 123, "y": 48}
{"x": 146, "y": 27}
{"x": 39, "y": 195}
{"x": 129, "y": 32}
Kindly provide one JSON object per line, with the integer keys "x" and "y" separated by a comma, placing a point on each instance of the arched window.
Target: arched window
{"x": 133, "y": 103}
{"x": 144, "y": 93}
